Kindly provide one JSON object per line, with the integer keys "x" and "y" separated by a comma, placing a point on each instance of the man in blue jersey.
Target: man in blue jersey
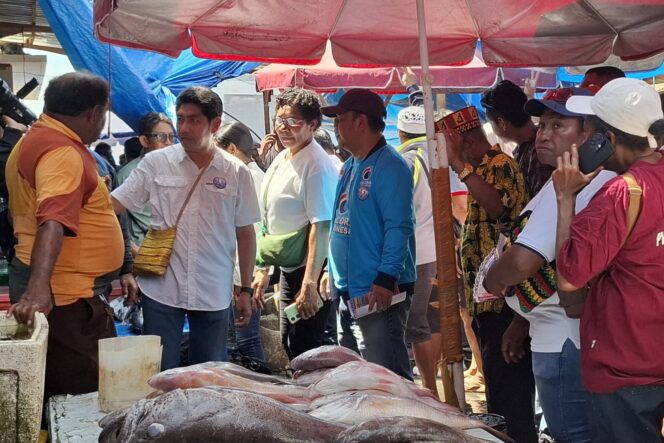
{"x": 372, "y": 241}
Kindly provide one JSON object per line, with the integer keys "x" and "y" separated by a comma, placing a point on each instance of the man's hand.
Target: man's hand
{"x": 40, "y": 300}
{"x": 11, "y": 123}
{"x": 243, "y": 309}
{"x": 307, "y": 300}
{"x": 259, "y": 284}
{"x": 408, "y": 78}
{"x": 513, "y": 339}
{"x": 530, "y": 84}
{"x": 568, "y": 180}
{"x": 492, "y": 286}
{"x": 129, "y": 288}
{"x": 380, "y": 297}
{"x": 134, "y": 248}
{"x": 453, "y": 144}
{"x": 324, "y": 287}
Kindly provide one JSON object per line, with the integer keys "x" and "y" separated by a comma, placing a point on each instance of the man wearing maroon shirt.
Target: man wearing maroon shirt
{"x": 622, "y": 358}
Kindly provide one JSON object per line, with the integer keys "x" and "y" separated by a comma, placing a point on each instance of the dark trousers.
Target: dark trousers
{"x": 330, "y": 337}
{"x": 72, "y": 358}
{"x": 632, "y": 414}
{"x": 305, "y": 334}
{"x": 384, "y": 335}
{"x": 510, "y": 387}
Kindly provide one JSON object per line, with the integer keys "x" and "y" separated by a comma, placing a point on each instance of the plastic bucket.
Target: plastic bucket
{"x": 125, "y": 365}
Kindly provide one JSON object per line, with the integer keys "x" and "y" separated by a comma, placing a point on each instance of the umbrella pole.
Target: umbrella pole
{"x": 445, "y": 254}
{"x": 266, "y": 111}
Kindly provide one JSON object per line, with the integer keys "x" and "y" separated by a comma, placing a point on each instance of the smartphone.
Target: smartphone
{"x": 594, "y": 151}
{"x": 292, "y": 313}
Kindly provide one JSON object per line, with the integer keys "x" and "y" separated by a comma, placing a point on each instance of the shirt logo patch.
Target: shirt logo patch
{"x": 366, "y": 172}
{"x": 219, "y": 182}
{"x": 343, "y": 203}
{"x": 660, "y": 239}
{"x": 363, "y": 193}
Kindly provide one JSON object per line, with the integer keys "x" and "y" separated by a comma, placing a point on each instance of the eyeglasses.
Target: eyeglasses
{"x": 290, "y": 121}
{"x": 162, "y": 137}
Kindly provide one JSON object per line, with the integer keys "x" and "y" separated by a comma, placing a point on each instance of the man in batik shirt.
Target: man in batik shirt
{"x": 497, "y": 196}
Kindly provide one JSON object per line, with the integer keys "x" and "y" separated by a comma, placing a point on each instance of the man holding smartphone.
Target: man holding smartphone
{"x": 554, "y": 336}
{"x": 372, "y": 240}
{"x": 619, "y": 257}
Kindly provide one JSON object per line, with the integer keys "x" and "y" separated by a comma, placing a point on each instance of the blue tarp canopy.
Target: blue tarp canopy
{"x": 141, "y": 81}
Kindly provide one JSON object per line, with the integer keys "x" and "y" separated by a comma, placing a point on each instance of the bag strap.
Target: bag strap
{"x": 191, "y": 192}
{"x": 423, "y": 166}
{"x": 635, "y": 193}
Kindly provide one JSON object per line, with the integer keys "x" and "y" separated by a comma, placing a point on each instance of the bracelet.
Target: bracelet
{"x": 247, "y": 289}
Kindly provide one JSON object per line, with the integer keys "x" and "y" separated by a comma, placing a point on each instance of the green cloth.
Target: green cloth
{"x": 139, "y": 221}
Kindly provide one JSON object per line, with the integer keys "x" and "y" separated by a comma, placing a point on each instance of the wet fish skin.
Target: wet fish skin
{"x": 355, "y": 409}
{"x": 220, "y": 415}
{"x": 198, "y": 376}
{"x": 360, "y": 376}
{"x": 403, "y": 430}
{"x": 306, "y": 378}
{"x": 244, "y": 372}
{"x": 329, "y": 356}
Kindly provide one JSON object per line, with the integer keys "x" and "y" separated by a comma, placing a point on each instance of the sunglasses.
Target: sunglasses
{"x": 290, "y": 121}
{"x": 162, "y": 137}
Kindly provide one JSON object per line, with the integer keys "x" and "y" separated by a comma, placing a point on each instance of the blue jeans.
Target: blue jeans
{"x": 561, "y": 393}
{"x": 207, "y": 332}
{"x": 247, "y": 340}
{"x": 631, "y": 414}
{"x": 384, "y": 336}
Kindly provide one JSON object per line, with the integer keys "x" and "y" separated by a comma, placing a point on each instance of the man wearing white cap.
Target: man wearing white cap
{"x": 620, "y": 251}
{"x": 423, "y": 330}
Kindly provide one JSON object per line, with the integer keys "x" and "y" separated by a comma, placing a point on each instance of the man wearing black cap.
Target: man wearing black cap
{"x": 372, "y": 243}
{"x": 554, "y": 336}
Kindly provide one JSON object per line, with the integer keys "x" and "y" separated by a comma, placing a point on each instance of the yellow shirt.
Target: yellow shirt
{"x": 51, "y": 176}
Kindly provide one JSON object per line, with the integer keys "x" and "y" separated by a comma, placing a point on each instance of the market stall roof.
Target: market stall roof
{"x": 327, "y": 76}
{"x": 378, "y": 33}
{"x": 23, "y": 22}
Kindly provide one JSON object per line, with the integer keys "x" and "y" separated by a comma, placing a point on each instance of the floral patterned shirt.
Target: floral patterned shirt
{"x": 480, "y": 231}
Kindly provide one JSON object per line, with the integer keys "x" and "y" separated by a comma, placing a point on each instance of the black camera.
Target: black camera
{"x": 10, "y": 103}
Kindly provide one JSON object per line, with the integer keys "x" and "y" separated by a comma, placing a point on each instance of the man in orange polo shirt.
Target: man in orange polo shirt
{"x": 70, "y": 245}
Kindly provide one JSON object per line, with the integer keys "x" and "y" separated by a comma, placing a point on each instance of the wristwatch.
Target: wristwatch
{"x": 247, "y": 289}
{"x": 466, "y": 171}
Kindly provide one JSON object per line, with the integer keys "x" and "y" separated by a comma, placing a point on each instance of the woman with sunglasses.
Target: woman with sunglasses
{"x": 155, "y": 132}
{"x": 298, "y": 191}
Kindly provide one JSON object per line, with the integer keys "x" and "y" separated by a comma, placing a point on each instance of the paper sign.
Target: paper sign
{"x": 359, "y": 307}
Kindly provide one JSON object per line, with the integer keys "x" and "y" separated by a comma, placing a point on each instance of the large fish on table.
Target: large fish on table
{"x": 328, "y": 356}
{"x": 243, "y": 372}
{"x": 220, "y": 415}
{"x": 359, "y": 407}
{"x": 362, "y": 375}
{"x": 403, "y": 430}
{"x": 199, "y": 376}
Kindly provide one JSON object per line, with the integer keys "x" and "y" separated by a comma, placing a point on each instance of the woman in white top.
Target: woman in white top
{"x": 298, "y": 190}
{"x": 235, "y": 138}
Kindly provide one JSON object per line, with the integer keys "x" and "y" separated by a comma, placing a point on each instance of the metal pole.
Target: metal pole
{"x": 445, "y": 255}
{"x": 426, "y": 85}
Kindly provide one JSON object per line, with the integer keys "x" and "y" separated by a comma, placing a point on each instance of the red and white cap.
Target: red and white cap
{"x": 628, "y": 104}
